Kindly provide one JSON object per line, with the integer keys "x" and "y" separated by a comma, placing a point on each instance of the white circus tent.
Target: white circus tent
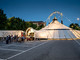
{"x": 56, "y": 30}
{"x": 30, "y": 31}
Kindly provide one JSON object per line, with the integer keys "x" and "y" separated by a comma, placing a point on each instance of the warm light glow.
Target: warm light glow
{"x": 77, "y": 18}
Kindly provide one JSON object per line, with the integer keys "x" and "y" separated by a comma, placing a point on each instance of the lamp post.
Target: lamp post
{"x": 78, "y": 20}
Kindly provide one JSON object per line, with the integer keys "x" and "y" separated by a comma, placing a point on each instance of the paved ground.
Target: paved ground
{"x": 8, "y": 50}
{"x": 41, "y": 50}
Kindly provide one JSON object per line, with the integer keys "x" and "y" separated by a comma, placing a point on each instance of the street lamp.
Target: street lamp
{"x": 78, "y": 20}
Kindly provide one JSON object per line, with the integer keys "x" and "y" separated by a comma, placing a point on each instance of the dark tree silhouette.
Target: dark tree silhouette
{"x": 3, "y": 20}
{"x": 74, "y": 26}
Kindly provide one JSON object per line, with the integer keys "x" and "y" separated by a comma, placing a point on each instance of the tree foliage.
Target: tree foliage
{"x": 74, "y": 26}
{"x": 3, "y": 20}
{"x": 40, "y": 27}
{"x": 15, "y": 23}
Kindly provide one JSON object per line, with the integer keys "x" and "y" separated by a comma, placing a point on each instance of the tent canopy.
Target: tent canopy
{"x": 56, "y": 30}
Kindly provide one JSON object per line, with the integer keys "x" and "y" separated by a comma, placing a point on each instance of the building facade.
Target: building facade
{"x": 38, "y": 23}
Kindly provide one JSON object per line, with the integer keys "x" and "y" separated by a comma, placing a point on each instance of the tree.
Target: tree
{"x": 29, "y": 24}
{"x": 33, "y": 25}
{"x": 3, "y": 20}
{"x": 40, "y": 27}
{"x": 16, "y": 24}
{"x": 74, "y": 26}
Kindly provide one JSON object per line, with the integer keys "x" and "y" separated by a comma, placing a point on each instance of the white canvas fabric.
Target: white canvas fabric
{"x": 30, "y": 30}
{"x": 56, "y": 25}
{"x": 41, "y": 34}
{"x": 76, "y": 33}
{"x": 56, "y": 30}
{"x": 4, "y": 33}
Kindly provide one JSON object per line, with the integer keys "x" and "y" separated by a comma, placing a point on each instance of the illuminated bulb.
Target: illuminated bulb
{"x": 77, "y": 18}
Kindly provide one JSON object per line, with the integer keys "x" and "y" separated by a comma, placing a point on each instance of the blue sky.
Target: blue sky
{"x": 39, "y": 10}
